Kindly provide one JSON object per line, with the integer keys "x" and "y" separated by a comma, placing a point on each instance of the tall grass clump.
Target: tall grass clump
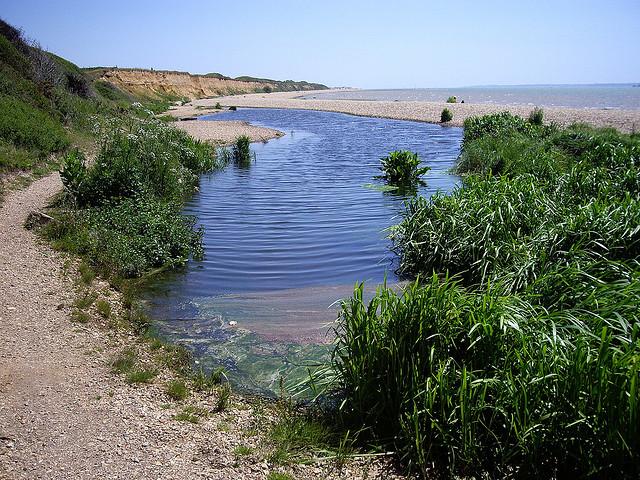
{"x": 536, "y": 116}
{"x": 516, "y": 349}
{"x": 402, "y": 169}
{"x": 241, "y": 150}
{"x": 476, "y": 382}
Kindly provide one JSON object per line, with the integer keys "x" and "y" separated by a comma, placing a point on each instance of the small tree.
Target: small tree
{"x": 446, "y": 115}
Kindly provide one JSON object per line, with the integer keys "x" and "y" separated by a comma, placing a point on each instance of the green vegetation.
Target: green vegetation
{"x": 125, "y": 362}
{"x": 517, "y": 349}
{"x": 295, "y": 436}
{"x": 79, "y": 316}
{"x": 223, "y": 400}
{"x": 446, "y": 115}
{"x": 279, "y": 476}
{"x": 177, "y": 390}
{"x": 46, "y": 103}
{"x": 141, "y": 376}
{"x": 241, "y": 151}
{"x": 536, "y": 116}
{"x": 87, "y": 275}
{"x": 124, "y": 213}
{"x": 104, "y": 308}
{"x": 242, "y": 451}
{"x": 85, "y": 299}
{"x": 402, "y": 169}
{"x": 192, "y": 414}
{"x": 452, "y": 99}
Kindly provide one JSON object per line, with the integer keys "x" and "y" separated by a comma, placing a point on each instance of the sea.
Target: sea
{"x": 600, "y": 96}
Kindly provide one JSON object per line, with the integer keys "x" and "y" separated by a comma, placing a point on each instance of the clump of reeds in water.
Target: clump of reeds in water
{"x": 241, "y": 151}
{"x": 402, "y": 169}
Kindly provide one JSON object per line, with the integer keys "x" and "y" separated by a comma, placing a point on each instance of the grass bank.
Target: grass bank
{"x": 516, "y": 351}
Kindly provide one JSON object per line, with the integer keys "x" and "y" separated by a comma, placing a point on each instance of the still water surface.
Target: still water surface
{"x": 289, "y": 236}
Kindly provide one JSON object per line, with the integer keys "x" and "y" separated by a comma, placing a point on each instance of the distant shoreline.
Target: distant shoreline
{"x": 421, "y": 111}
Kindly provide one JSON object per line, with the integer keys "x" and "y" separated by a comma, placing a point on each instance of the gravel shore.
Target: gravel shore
{"x": 624, "y": 120}
{"x": 225, "y": 132}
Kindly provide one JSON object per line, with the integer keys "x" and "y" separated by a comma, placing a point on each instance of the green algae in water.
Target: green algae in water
{"x": 252, "y": 362}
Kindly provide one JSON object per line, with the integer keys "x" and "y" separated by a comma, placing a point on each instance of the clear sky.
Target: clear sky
{"x": 368, "y": 44}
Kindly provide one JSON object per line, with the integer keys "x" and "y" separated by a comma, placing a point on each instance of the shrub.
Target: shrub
{"x": 452, "y": 99}
{"x": 218, "y": 106}
{"x": 130, "y": 237}
{"x": 242, "y": 151}
{"x": 145, "y": 158}
{"x": 446, "y": 115}
{"x": 536, "y": 116}
{"x": 402, "y": 168}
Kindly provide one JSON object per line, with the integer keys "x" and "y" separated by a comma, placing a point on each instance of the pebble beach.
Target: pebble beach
{"x": 624, "y": 120}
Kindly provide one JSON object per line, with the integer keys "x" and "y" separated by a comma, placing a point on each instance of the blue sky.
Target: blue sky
{"x": 374, "y": 44}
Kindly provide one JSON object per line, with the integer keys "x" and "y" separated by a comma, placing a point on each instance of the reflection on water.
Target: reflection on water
{"x": 288, "y": 237}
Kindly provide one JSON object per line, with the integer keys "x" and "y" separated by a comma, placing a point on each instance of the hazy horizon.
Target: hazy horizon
{"x": 367, "y": 45}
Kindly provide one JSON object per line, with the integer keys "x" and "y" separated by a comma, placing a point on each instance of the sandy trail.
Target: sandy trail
{"x": 624, "y": 120}
{"x": 62, "y": 413}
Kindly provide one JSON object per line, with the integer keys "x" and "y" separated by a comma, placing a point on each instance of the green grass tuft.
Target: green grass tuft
{"x": 104, "y": 308}
{"x": 403, "y": 169}
{"x": 177, "y": 390}
{"x": 241, "y": 151}
{"x": 141, "y": 376}
{"x": 192, "y": 414}
{"x": 279, "y": 476}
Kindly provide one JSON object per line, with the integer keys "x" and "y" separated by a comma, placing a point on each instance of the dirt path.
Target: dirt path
{"x": 65, "y": 415}
{"x": 62, "y": 413}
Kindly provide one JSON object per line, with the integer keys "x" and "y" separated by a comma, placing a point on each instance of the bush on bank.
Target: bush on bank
{"x": 517, "y": 350}
{"x": 126, "y": 205}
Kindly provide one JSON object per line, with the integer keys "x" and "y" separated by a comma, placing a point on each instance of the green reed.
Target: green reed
{"x": 516, "y": 350}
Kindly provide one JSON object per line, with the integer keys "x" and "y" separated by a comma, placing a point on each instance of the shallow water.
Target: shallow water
{"x": 625, "y": 96}
{"x": 289, "y": 236}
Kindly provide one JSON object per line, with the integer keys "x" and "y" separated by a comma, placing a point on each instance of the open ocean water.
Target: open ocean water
{"x": 621, "y": 96}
